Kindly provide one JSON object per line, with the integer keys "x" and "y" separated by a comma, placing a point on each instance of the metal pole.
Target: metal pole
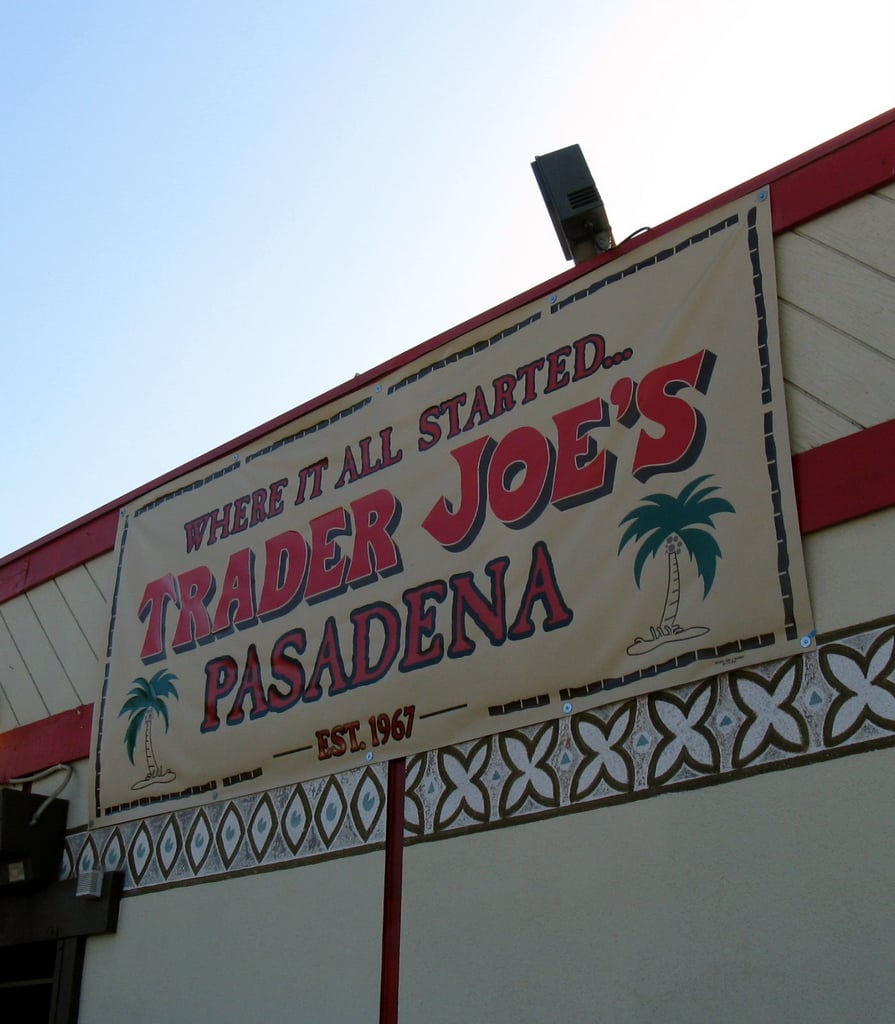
{"x": 391, "y": 897}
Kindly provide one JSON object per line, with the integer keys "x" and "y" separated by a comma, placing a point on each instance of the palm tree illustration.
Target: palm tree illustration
{"x": 675, "y": 523}
{"x": 148, "y": 700}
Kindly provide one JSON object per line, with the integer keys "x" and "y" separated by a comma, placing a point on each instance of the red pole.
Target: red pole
{"x": 391, "y": 897}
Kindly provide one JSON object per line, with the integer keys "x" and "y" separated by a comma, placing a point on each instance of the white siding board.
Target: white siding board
{"x": 102, "y": 572}
{"x": 863, "y": 230}
{"x": 20, "y": 702}
{"x": 811, "y": 423}
{"x": 67, "y": 639}
{"x": 832, "y": 287}
{"x": 83, "y": 596}
{"x": 850, "y": 569}
{"x": 43, "y": 664}
{"x": 837, "y": 370}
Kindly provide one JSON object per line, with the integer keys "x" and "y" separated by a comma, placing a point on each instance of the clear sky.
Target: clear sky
{"x": 212, "y": 211}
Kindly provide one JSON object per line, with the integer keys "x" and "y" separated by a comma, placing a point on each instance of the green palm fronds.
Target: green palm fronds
{"x": 661, "y": 516}
{"x": 147, "y": 697}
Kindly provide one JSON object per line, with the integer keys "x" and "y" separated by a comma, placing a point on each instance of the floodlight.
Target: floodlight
{"x": 573, "y": 203}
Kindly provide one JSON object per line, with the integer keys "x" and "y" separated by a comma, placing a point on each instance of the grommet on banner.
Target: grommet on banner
{"x": 368, "y": 756}
{"x": 762, "y": 195}
{"x": 808, "y": 638}
{"x": 567, "y": 707}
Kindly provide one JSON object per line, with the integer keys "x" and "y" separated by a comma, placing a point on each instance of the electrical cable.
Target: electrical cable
{"x": 35, "y": 818}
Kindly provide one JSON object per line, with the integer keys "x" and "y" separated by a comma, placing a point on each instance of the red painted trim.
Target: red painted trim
{"x": 846, "y": 478}
{"x": 58, "y": 739}
{"x": 829, "y": 175}
{"x": 84, "y": 540}
{"x": 392, "y": 892}
{"x": 864, "y": 164}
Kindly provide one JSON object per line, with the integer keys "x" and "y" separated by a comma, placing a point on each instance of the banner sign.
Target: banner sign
{"x": 588, "y": 497}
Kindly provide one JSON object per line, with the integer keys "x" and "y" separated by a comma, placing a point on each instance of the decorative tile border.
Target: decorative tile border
{"x": 839, "y": 699}
{"x": 323, "y": 818}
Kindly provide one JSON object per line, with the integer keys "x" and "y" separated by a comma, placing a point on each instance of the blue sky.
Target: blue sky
{"x": 213, "y": 211}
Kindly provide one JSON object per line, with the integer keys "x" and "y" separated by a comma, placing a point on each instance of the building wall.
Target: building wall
{"x": 298, "y": 945}
{"x": 837, "y": 313}
{"x": 657, "y": 858}
{"x": 770, "y": 899}
{"x": 851, "y": 568}
{"x": 715, "y": 852}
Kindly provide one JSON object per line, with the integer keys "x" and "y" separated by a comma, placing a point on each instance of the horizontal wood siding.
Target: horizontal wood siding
{"x": 836, "y": 282}
{"x": 51, "y": 639}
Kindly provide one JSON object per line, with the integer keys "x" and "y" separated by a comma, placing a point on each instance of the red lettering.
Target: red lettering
{"x": 583, "y": 368}
{"x": 541, "y": 586}
{"x": 581, "y": 470}
{"x": 683, "y": 427}
{"x": 430, "y": 428}
{"x": 366, "y": 669}
{"x": 194, "y": 622}
{"x": 237, "y": 593}
{"x": 241, "y": 514}
{"x": 286, "y": 560}
{"x": 249, "y": 687}
{"x": 375, "y": 553}
{"x": 328, "y": 568}
{"x": 155, "y": 601}
{"x": 288, "y": 670}
{"x": 452, "y": 408}
{"x": 527, "y": 375}
{"x": 557, "y": 374}
{"x": 275, "y": 507}
{"x": 350, "y": 472}
{"x": 329, "y": 659}
{"x": 456, "y": 530}
{"x": 479, "y": 413}
{"x": 195, "y": 531}
{"x": 624, "y": 397}
{"x": 518, "y": 476}
{"x": 469, "y": 600}
{"x": 258, "y": 512}
{"x": 504, "y": 386}
{"x": 421, "y": 625}
{"x": 220, "y": 678}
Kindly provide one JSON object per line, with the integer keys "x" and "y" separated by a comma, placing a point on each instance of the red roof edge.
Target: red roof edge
{"x": 833, "y": 173}
{"x": 58, "y": 739}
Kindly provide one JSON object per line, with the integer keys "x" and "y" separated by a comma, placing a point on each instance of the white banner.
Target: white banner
{"x": 588, "y": 497}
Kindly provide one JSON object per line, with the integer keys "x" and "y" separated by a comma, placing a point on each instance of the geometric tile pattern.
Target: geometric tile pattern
{"x": 834, "y": 700}
{"x": 837, "y": 699}
{"x": 278, "y": 828}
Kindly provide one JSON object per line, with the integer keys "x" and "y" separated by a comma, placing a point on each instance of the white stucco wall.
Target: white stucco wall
{"x": 296, "y": 945}
{"x": 768, "y": 899}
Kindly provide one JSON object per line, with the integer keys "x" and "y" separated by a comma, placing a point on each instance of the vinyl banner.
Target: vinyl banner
{"x": 588, "y": 497}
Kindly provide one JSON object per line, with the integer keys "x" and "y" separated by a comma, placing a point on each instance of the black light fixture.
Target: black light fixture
{"x": 573, "y": 203}
{"x": 32, "y": 835}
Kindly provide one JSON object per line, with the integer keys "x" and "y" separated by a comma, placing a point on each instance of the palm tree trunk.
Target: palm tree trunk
{"x": 151, "y": 765}
{"x": 673, "y": 593}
